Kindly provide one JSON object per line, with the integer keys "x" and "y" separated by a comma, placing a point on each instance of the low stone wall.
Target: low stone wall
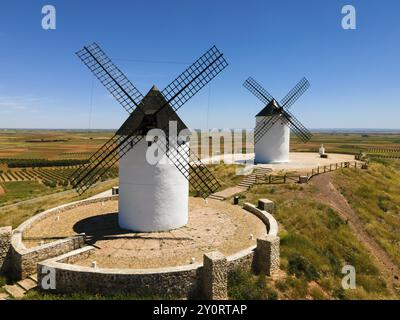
{"x": 5, "y": 248}
{"x": 23, "y": 261}
{"x": 206, "y": 280}
{"x": 266, "y": 217}
{"x": 57, "y": 210}
{"x": 182, "y": 281}
{"x": 243, "y": 259}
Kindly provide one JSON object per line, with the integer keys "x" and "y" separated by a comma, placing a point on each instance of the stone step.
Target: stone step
{"x": 15, "y": 291}
{"x": 27, "y": 284}
{"x": 216, "y": 197}
{"x": 249, "y": 180}
{"x": 246, "y": 183}
{"x": 33, "y": 277}
{"x": 4, "y": 296}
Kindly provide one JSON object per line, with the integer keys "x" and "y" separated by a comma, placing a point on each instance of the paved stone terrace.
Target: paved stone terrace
{"x": 213, "y": 225}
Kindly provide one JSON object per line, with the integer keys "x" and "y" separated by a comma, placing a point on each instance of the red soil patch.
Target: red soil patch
{"x": 2, "y": 191}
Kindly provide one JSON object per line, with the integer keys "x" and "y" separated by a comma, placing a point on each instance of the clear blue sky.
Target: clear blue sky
{"x": 355, "y": 74}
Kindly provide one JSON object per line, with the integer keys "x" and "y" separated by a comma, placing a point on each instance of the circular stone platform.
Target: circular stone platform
{"x": 213, "y": 225}
{"x": 299, "y": 161}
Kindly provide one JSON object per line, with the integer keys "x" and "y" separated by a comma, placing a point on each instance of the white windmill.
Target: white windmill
{"x": 152, "y": 196}
{"x": 274, "y": 122}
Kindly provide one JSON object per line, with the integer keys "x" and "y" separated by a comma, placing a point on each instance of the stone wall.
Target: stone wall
{"x": 207, "y": 279}
{"x": 182, "y": 281}
{"x": 243, "y": 259}
{"x": 266, "y": 217}
{"x": 5, "y": 248}
{"x": 24, "y": 261}
{"x": 215, "y": 276}
{"x": 267, "y": 260}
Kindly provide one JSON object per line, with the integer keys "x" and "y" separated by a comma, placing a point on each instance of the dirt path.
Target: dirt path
{"x": 329, "y": 195}
{"x": 1, "y": 190}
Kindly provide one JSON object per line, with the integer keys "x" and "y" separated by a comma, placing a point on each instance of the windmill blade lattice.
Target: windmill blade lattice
{"x": 295, "y": 93}
{"x": 196, "y": 172}
{"x": 189, "y": 82}
{"x": 282, "y": 112}
{"x": 102, "y": 160}
{"x": 298, "y": 128}
{"x": 110, "y": 76}
{"x": 254, "y": 87}
{"x": 264, "y": 126}
{"x": 177, "y": 93}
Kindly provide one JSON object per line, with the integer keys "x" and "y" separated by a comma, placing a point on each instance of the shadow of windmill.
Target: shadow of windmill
{"x": 106, "y": 227}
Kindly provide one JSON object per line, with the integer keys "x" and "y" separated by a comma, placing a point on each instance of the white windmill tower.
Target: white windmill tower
{"x": 274, "y": 146}
{"x": 274, "y": 122}
{"x": 152, "y": 196}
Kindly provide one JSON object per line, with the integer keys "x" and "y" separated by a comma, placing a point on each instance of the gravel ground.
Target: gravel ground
{"x": 213, "y": 225}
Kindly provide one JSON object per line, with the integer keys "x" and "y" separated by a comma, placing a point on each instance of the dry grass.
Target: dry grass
{"x": 325, "y": 243}
{"x": 375, "y": 196}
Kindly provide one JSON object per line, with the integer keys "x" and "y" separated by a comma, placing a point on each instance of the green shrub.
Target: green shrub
{"x": 317, "y": 294}
{"x": 300, "y": 266}
{"x": 243, "y": 285}
{"x": 298, "y": 287}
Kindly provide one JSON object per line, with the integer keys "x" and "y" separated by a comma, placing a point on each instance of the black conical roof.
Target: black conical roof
{"x": 269, "y": 109}
{"x": 151, "y": 119}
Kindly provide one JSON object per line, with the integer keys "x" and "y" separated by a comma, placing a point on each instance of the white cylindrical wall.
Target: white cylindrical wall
{"x": 273, "y": 147}
{"x": 151, "y": 197}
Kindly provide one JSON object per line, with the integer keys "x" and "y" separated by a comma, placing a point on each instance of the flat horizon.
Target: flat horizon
{"x": 343, "y": 130}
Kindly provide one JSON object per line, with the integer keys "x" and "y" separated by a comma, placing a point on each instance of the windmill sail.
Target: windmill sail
{"x": 295, "y": 93}
{"x": 194, "y": 78}
{"x": 110, "y": 76}
{"x": 282, "y": 112}
{"x": 144, "y": 116}
{"x": 255, "y": 88}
